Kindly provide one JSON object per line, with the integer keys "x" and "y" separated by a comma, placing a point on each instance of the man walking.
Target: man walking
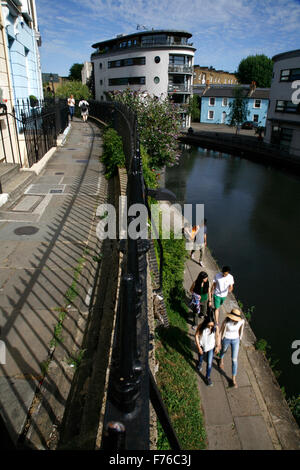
{"x": 222, "y": 285}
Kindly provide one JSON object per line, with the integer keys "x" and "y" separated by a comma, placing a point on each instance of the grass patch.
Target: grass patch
{"x": 74, "y": 360}
{"x": 176, "y": 377}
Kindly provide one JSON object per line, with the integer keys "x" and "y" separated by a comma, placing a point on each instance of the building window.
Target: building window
{"x": 127, "y": 62}
{"x": 255, "y": 117}
{"x": 127, "y": 81}
{"x": 156, "y": 80}
{"x": 282, "y": 136}
{"x": 212, "y": 101}
{"x": 101, "y": 82}
{"x": 100, "y": 65}
{"x": 287, "y": 107}
{"x": 289, "y": 75}
{"x": 224, "y": 102}
{"x": 211, "y": 114}
{"x": 257, "y": 103}
{"x": 178, "y": 59}
{"x": 157, "y": 59}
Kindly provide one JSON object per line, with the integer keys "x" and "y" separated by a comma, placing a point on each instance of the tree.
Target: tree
{"x": 75, "y": 88}
{"x": 238, "y": 108}
{"x": 75, "y": 72}
{"x": 194, "y": 108}
{"x": 258, "y": 68}
{"x": 158, "y": 125}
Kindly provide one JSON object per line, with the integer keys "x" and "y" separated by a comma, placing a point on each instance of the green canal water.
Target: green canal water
{"x": 253, "y": 214}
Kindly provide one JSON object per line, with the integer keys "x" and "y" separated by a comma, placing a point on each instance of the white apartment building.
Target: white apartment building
{"x": 159, "y": 62}
{"x": 283, "y": 121}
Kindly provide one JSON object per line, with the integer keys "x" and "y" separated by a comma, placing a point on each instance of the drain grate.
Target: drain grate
{"x": 81, "y": 161}
{"x": 54, "y": 191}
{"x": 27, "y": 230}
{"x": 60, "y": 173}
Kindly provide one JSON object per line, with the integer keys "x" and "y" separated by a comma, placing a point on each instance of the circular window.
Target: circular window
{"x": 157, "y": 59}
{"x": 156, "y": 80}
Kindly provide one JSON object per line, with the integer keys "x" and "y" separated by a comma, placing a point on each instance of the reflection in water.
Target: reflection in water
{"x": 253, "y": 217}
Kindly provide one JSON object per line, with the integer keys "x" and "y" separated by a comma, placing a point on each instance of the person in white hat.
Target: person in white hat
{"x": 231, "y": 333}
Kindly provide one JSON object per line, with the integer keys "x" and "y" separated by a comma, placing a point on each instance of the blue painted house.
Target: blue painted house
{"x": 23, "y": 41}
{"x": 215, "y": 101}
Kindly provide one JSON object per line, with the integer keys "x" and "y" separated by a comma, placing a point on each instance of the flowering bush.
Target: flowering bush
{"x": 158, "y": 125}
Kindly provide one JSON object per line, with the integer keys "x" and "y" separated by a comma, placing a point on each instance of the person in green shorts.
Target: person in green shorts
{"x": 222, "y": 285}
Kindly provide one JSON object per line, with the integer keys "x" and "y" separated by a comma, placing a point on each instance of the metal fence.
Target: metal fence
{"x": 131, "y": 384}
{"x": 39, "y": 122}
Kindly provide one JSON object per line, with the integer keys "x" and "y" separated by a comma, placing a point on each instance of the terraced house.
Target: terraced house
{"x": 159, "y": 62}
{"x": 20, "y": 71}
{"x": 216, "y": 99}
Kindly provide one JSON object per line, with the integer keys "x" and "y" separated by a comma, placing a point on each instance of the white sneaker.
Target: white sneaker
{"x": 201, "y": 264}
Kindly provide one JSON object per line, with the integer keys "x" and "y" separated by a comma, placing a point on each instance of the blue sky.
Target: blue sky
{"x": 224, "y": 31}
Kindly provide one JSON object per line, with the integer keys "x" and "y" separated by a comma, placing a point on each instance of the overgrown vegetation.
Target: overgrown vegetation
{"x": 158, "y": 125}
{"x": 75, "y": 88}
{"x": 113, "y": 155}
{"x": 176, "y": 377}
{"x": 247, "y": 311}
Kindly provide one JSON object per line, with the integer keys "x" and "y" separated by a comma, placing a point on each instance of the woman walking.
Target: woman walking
{"x": 231, "y": 333}
{"x": 71, "y": 105}
{"x": 206, "y": 338}
{"x": 201, "y": 295}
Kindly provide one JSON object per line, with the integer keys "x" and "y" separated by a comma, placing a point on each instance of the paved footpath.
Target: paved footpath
{"x": 47, "y": 236}
{"x": 254, "y": 416}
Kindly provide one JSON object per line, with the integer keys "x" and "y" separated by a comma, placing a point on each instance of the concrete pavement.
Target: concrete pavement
{"x": 254, "y": 416}
{"x": 48, "y": 245}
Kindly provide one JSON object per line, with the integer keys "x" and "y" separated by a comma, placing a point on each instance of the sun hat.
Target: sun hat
{"x": 235, "y": 314}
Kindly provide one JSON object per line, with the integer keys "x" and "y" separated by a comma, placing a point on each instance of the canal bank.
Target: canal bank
{"x": 255, "y": 416}
{"x": 246, "y": 144}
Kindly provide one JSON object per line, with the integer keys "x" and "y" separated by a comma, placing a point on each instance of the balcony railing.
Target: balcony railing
{"x": 180, "y": 69}
{"x": 181, "y": 88}
{"x": 143, "y": 44}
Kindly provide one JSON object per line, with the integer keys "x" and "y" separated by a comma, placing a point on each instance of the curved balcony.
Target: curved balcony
{"x": 180, "y": 69}
{"x": 180, "y": 88}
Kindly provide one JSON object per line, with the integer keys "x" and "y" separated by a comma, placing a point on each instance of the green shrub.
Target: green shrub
{"x": 113, "y": 155}
{"x": 176, "y": 377}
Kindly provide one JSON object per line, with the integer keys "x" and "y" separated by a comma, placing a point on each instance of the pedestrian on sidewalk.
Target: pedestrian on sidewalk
{"x": 207, "y": 342}
{"x": 200, "y": 240}
{"x": 71, "y": 105}
{"x": 231, "y": 333}
{"x": 222, "y": 285}
{"x": 195, "y": 230}
{"x": 187, "y": 233}
{"x": 200, "y": 290}
{"x": 84, "y": 108}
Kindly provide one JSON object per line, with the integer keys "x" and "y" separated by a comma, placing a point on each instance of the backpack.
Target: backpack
{"x": 83, "y": 107}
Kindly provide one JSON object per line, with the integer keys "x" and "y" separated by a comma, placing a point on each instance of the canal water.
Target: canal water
{"x": 253, "y": 220}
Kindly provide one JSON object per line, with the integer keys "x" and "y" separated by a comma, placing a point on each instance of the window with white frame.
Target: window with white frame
{"x": 257, "y": 104}
{"x": 211, "y": 114}
{"x": 224, "y": 101}
{"x": 212, "y": 101}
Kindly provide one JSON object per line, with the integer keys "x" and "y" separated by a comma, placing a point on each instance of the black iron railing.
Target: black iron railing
{"x": 131, "y": 384}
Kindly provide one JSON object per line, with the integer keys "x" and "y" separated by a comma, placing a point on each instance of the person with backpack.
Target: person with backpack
{"x": 84, "y": 108}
